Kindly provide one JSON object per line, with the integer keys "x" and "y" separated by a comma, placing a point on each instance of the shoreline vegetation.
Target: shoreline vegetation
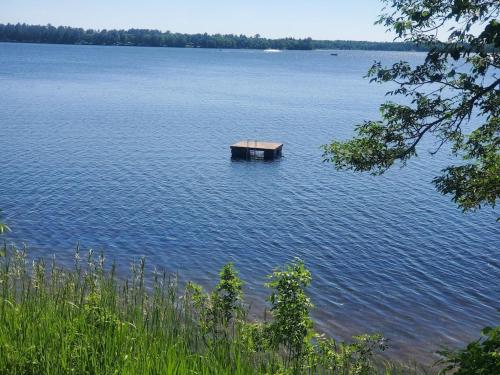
{"x": 48, "y": 34}
{"x": 85, "y": 320}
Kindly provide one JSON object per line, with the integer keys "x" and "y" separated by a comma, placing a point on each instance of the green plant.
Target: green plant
{"x": 228, "y": 293}
{"x": 364, "y": 348}
{"x": 356, "y": 358}
{"x": 290, "y": 306}
{"x": 3, "y": 227}
{"x": 56, "y": 321}
{"x": 215, "y": 312}
{"x": 481, "y": 357}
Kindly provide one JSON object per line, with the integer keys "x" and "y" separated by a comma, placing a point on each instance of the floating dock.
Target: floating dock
{"x": 256, "y": 150}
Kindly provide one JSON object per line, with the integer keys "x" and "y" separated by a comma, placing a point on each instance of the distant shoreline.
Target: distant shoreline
{"x": 48, "y": 34}
{"x": 201, "y": 48}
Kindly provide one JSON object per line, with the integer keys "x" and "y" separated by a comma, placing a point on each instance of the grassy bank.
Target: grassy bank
{"x": 85, "y": 320}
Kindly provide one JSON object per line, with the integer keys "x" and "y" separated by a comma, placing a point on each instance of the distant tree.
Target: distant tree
{"x": 143, "y": 37}
{"x": 458, "y": 80}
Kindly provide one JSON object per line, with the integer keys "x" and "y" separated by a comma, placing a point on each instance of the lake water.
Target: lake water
{"x": 127, "y": 149}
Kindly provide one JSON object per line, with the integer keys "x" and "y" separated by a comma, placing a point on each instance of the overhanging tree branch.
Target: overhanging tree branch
{"x": 444, "y": 92}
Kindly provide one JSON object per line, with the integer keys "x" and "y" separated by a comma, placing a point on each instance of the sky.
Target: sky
{"x": 318, "y": 19}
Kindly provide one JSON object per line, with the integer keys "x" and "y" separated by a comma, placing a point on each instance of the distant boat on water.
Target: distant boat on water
{"x": 334, "y": 54}
{"x": 271, "y": 50}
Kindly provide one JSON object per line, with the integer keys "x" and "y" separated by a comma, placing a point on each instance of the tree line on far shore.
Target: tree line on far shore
{"x": 25, "y": 33}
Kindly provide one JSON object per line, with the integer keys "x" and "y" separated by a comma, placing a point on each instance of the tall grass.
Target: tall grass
{"x": 85, "y": 320}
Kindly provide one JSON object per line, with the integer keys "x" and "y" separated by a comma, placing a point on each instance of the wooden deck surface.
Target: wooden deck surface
{"x": 258, "y": 145}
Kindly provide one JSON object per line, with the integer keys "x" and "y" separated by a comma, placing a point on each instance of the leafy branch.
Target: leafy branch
{"x": 457, "y": 81}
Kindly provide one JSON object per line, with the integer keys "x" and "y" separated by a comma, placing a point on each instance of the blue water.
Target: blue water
{"x": 127, "y": 149}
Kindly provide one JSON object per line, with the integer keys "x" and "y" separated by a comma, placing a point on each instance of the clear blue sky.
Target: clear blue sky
{"x": 319, "y": 19}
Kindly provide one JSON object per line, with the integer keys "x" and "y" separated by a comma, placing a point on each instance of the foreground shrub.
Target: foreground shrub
{"x": 87, "y": 321}
{"x": 290, "y": 308}
{"x": 481, "y": 357}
